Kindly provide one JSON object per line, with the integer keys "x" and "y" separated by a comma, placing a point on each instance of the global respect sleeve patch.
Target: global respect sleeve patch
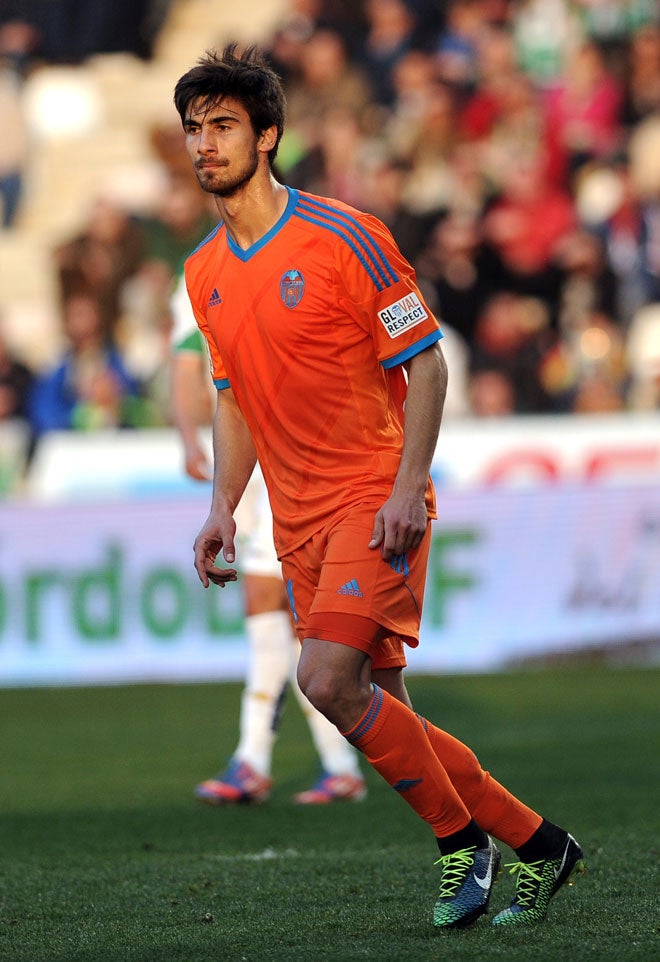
{"x": 402, "y": 314}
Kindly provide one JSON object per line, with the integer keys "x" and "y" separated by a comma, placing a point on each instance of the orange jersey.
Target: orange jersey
{"x": 309, "y": 327}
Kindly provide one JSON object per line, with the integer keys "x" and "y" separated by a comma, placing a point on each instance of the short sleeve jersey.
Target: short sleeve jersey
{"x": 310, "y": 327}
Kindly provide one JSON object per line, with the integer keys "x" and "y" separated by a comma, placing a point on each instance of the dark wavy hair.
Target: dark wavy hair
{"x": 246, "y": 77}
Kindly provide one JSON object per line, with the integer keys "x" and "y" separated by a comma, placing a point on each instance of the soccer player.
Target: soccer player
{"x": 273, "y": 649}
{"x": 318, "y": 334}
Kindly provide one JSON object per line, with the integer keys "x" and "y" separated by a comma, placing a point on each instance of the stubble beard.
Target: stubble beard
{"x": 231, "y": 186}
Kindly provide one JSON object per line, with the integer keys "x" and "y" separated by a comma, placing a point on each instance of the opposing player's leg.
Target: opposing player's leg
{"x": 273, "y": 651}
{"x": 270, "y": 655}
{"x": 247, "y": 778}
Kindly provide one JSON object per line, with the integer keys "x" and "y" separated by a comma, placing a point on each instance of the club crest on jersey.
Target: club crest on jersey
{"x": 292, "y": 288}
{"x": 403, "y": 314}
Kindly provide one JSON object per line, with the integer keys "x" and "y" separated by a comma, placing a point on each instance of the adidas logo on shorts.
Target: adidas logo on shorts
{"x": 350, "y": 588}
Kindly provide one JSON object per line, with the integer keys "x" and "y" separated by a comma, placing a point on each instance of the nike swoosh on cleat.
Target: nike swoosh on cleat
{"x": 559, "y": 870}
{"x": 485, "y": 882}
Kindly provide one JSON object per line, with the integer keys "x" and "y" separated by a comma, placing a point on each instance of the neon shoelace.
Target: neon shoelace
{"x": 529, "y": 878}
{"x": 455, "y": 866}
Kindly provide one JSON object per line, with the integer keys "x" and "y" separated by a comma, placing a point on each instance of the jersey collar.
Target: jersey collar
{"x": 245, "y": 255}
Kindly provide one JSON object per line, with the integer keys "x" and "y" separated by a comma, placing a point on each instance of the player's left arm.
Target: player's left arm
{"x": 401, "y": 523}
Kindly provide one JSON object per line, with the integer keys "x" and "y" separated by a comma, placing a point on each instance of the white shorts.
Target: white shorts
{"x": 255, "y": 553}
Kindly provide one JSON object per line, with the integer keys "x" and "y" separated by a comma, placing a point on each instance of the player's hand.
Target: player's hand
{"x": 198, "y": 466}
{"x": 221, "y": 576}
{"x": 215, "y": 537}
{"x": 399, "y": 525}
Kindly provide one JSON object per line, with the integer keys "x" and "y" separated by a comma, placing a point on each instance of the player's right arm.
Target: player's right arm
{"x": 234, "y": 459}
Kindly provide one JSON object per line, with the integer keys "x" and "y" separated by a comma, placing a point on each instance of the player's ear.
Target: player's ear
{"x": 268, "y": 139}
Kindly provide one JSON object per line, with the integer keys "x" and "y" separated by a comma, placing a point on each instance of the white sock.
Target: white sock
{"x": 269, "y": 670}
{"x": 336, "y": 754}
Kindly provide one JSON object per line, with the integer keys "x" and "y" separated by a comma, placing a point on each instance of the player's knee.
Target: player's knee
{"x": 328, "y": 693}
{"x": 336, "y": 680}
{"x": 317, "y": 685}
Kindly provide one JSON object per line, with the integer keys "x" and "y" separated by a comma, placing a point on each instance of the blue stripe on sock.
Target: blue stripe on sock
{"x": 369, "y": 718}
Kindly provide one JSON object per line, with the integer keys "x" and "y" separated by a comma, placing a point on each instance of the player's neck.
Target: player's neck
{"x": 255, "y": 210}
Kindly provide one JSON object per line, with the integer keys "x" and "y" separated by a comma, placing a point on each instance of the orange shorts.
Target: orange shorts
{"x": 341, "y": 590}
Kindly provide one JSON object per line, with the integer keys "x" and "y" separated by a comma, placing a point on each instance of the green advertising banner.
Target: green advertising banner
{"x": 106, "y": 591}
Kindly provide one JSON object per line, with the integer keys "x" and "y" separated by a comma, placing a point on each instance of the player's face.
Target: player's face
{"x": 223, "y": 146}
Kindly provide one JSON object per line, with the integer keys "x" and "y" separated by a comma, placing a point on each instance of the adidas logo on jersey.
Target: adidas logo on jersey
{"x": 350, "y": 588}
{"x": 215, "y": 298}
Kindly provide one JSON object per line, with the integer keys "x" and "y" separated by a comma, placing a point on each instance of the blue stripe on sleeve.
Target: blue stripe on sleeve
{"x": 358, "y": 239}
{"x": 367, "y": 239}
{"x": 413, "y": 349}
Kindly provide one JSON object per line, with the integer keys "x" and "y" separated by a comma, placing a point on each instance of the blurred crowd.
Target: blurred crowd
{"x": 510, "y": 145}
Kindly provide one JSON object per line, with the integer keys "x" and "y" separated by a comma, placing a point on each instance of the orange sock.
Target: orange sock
{"x": 492, "y": 807}
{"x": 390, "y": 738}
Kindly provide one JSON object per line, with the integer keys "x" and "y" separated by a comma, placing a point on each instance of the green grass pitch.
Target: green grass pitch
{"x": 106, "y": 857}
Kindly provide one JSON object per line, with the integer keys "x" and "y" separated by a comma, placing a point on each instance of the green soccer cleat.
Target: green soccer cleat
{"x": 467, "y": 879}
{"x": 538, "y": 881}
